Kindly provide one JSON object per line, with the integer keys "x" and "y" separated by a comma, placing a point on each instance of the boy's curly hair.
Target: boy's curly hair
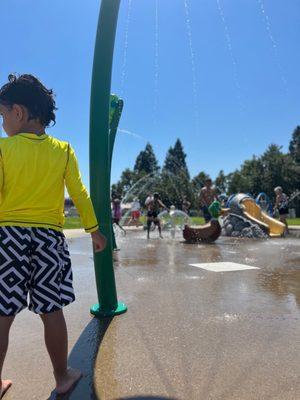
{"x": 28, "y": 91}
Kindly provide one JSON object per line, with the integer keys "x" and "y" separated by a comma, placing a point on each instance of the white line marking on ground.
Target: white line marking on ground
{"x": 223, "y": 266}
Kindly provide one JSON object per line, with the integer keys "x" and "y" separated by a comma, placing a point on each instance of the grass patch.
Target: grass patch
{"x": 197, "y": 220}
{"x": 293, "y": 221}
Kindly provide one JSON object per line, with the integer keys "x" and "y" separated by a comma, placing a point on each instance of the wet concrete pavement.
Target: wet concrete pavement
{"x": 189, "y": 334}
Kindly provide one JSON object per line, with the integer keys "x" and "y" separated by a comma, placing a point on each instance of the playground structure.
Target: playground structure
{"x": 264, "y": 202}
{"x": 173, "y": 220}
{"x": 245, "y": 218}
{"x": 244, "y": 208}
{"x": 207, "y": 233}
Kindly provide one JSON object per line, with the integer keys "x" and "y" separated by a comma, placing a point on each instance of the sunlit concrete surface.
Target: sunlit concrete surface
{"x": 188, "y": 334}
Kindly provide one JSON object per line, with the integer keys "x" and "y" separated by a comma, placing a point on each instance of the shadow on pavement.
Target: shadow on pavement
{"x": 82, "y": 357}
{"x": 146, "y": 398}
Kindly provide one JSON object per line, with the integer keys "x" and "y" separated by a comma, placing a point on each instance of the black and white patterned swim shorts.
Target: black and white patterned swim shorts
{"x": 34, "y": 263}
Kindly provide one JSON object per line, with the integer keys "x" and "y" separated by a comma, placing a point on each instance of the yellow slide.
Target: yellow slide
{"x": 252, "y": 211}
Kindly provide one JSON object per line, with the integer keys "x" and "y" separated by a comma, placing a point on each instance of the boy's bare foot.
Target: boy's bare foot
{"x": 5, "y": 385}
{"x": 66, "y": 384}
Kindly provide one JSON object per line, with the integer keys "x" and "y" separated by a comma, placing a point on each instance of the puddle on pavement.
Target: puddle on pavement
{"x": 278, "y": 259}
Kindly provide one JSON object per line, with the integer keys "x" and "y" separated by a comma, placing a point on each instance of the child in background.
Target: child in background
{"x": 154, "y": 204}
{"x": 135, "y": 212}
{"x": 282, "y": 206}
{"x": 34, "y": 170}
{"x": 117, "y": 212}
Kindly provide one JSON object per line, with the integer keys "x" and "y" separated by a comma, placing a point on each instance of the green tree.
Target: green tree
{"x": 126, "y": 181}
{"x": 221, "y": 182}
{"x": 291, "y": 175}
{"x": 263, "y": 174}
{"x": 237, "y": 183}
{"x": 252, "y": 172}
{"x": 175, "y": 162}
{"x": 273, "y": 161}
{"x": 198, "y": 181}
{"x": 294, "y": 147}
{"x": 260, "y": 174}
{"x": 175, "y": 177}
{"x": 146, "y": 162}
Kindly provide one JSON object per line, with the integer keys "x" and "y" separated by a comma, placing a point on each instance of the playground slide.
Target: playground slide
{"x": 252, "y": 211}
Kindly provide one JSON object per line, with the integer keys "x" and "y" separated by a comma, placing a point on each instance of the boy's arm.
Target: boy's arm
{"x": 1, "y": 175}
{"x": 79, "y": 194}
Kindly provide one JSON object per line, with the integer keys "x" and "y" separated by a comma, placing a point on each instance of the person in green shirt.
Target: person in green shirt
{"x": 35, "y": 267}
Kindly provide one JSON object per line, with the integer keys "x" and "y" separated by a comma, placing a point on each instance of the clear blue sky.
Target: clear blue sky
{"x": 244, "y": 89}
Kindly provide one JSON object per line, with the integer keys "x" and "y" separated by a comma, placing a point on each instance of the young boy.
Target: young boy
{"x": 153, "y": 205}
{"x": 135, "y": 212}
{"x": 34, "y": 256}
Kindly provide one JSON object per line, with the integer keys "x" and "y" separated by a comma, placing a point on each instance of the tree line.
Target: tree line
{"x": 258, "y": 174}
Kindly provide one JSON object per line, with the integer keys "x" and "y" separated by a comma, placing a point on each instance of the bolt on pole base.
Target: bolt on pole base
{"x": 100, "y": 313}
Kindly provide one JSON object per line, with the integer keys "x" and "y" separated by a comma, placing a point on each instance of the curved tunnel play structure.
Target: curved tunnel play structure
{"x": 245, "y": 205}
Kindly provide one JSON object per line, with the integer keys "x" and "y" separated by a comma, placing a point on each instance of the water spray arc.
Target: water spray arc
{"x": 156, "y": 64}
{"x": 273, "y": 42}
{"x": 231, "y": 54}
{"x": 193, "y": 62}
{"x": 124, "y": 64}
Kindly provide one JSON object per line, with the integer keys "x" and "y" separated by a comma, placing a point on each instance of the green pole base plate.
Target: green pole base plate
{"x": 100, "y": 313}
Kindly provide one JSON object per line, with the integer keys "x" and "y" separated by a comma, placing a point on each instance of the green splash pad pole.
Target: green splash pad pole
{"x": 116, "y": 108}
{"x": 100, "y": 157}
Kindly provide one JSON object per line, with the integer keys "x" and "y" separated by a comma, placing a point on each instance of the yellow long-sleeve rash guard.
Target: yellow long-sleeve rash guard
{"x": 34, "y": 171}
